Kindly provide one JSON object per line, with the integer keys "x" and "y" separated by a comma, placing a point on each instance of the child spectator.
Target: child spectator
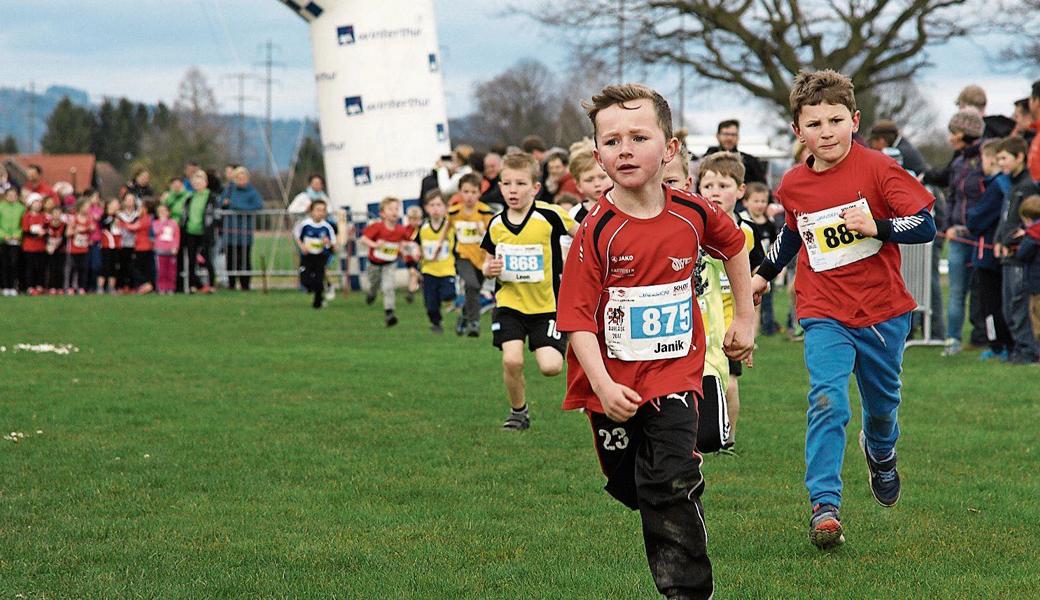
{"x": 197, "y": 223}
{"x": 765, "y": 230}
{"x": 127, "y": 217}
{"x": 849, "y": 208}
{"x": 636, "y": 356}
{"x": 470, "y": 218}
{"x": 11, "y": 212}
{"x": 81, "y": 226}
{"x": 713, "y": 424}
{"x": 720, "y": 179}
{"x": 383, "y": 240}
{"x": 34, "y": 246}
{"x": 167, "y": 235}
{"x": 410, "y": 251}
{"x": 111, "y": 246}
{"x": 315, "y": 237}
{"x": 175, "y": 198}
{"x": 981, "y": 222}
{"x": 96, "y": 212}
{"x": 55, "y": 271}
{"x": 437, "y": 241}
{"x": 144, "y": 256}
{"x": 1029, "y": 254}
{"x": 523, "y": 252}
{"x": 1012, "y": 159}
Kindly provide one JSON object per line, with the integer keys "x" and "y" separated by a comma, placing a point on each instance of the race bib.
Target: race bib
{"x": 829, "y": 243}
{"x": 81, "y": 240}
{"x": 314, "y": 245}
{"x": 36, "y": 229}
{"x": 651, "y": 322}
{"x": 386, "y": 251}
{"x": 469, "y": 232}
{"x": 166, "y": 234}
{"x": 521, "y": 263}
{"x": 435, "y": 250}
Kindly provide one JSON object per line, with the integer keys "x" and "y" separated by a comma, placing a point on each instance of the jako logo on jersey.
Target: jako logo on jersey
{"x": 624, "y": 258}
{"x": 678, "y": 264}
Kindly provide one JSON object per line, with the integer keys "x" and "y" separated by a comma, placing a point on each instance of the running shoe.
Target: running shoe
{"x": 884, "y": 478}
{"x": 825, "y": 530}
{"x": 517, "y": 422}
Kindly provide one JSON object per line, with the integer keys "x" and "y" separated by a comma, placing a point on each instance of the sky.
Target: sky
{"x": 141, "y": 49}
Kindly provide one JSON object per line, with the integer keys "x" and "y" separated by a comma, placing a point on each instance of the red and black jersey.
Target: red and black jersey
{"x": 614, "y": 250}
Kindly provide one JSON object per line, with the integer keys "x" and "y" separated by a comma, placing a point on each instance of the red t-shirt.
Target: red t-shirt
{"x": 389, "y": 240}
{"x": 143, "y": 229}
{"x": 870, "y": 290}
{"x": 613, "y": 260}
{"x": 34, "y": 232}
{"x": 80, "y": 230}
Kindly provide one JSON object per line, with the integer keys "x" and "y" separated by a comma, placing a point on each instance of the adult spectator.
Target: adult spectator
{"x": 885, "y": 134}
{"x": 558, "y": 179}
{"x": 450, "y": 172}
{"x": 34, "y": 183}
{"x": 139, "y": 185}
{"x": 535, "y": 146}
{"x": 492, "y": 195}
{"x": 1023, "y": 121}
{"x": 301, "y": 204}
{"x": 5, "y": 182}
{"x": 965, "y": 187}
{"x": 728, "y": 136}
{"x": 996, "y": 126}
{"x": 197, "y": 225}
{"x": 1033, "y": 158}
{"x": 241, "y": 197}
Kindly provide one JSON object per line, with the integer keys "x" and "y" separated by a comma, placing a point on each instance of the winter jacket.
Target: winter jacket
{"x": 1022, "y": 187}
{"x": 966, "y": 185}
{"x": 11, "y": 220}
{"x": 238, "y": 228}
{"x": 983, "y": 219}
{"x": 1029, "y": 254}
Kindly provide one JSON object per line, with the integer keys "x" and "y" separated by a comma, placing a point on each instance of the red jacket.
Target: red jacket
{"x": 1033, "y": 158}
{"x": 34, "y": 232}
{"x": 142, "y": 229}
{"x": 80, "y": 230}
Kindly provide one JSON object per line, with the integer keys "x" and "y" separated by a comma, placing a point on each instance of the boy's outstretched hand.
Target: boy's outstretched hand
{"x": 619, "y": 402}
{"x": 739, "y": 342}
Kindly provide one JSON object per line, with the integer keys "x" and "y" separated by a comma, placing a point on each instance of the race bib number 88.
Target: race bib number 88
{"x": 829, "y": 242}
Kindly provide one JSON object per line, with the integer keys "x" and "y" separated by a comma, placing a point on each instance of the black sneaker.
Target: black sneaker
{"x": 825, "y": 530}
{"x": 473, "y": 329}
{"x": 370, "y": 298}
{"x": 884, "y": 478}
{"x": 437, "y": 328}
{"x": 391, "y": 320}
{"x": 517, "y": 421}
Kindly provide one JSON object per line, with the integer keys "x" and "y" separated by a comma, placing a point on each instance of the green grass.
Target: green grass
{"x": 248, "y": 446}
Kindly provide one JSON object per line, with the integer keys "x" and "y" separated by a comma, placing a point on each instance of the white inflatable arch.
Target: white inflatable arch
{"x": 380, "y": 95}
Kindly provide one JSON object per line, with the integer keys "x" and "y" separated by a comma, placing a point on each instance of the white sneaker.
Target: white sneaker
{"x": 330, "y": 292}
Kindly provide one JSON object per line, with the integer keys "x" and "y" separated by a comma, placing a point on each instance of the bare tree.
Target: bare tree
{"x": 1023, "y": 16}
{"x": 760, "y": 45}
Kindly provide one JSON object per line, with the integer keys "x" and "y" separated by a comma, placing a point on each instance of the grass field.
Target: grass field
{"x": 244, "y": 445}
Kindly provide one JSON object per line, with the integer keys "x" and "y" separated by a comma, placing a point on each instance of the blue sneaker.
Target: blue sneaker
{"x": 1002, "y": 356}
{"x": 825, "y": 530}
{"x": 884, "y": 478}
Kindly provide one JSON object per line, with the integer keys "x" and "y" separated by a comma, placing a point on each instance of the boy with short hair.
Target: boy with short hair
{"x": 1029, "y": 254}
{"x": 410, "y": 250}
{"x": 636, "y": 354}
{"x": 592, "y": 182}
{"x": 720, "y": 179}
{"x": 523, "y": 253}
{"x": 470, "y": 219}
{"x": 315, "y": 237}
{"x": 848, "y": 208}
{"x": 755, "y": 214}
{"x": 383, "y": 240}
{"x": 436, "y": 241}
{"x": 1012, "y": 160}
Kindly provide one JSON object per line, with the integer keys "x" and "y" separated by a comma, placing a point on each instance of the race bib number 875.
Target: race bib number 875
{"x": 660, "y": 321}
{"x": 650, "y": 322}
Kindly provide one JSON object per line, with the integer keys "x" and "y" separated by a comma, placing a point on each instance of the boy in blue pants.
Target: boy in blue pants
{"x": 848, "y": 209}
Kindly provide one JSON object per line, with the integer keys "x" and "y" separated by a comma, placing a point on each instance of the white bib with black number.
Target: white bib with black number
{"x": 469, "y": 232}
{"x": 521, "y": 263}
{"x": 435, "y": 250}
{"x": 650, "y": 322}
{"x": 386, "y": 251}
{"x": 829, "y": 243}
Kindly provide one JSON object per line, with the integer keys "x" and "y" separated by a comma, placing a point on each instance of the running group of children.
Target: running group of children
{"x": 652, "y": 306}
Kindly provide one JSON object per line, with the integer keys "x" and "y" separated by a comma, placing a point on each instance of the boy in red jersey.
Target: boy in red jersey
{"x": 637, "y": 342}
{"x": 847, "y": 210}
{"x": 383, "y": 240}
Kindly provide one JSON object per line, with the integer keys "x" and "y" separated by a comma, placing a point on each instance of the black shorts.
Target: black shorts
{"x": 109, "y": 262}
{"x": 713, "y": 427}
{"x": 736, "y": 368}
{"x": 539, "y": 330}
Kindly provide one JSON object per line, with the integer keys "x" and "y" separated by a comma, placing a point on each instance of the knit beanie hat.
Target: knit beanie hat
{"x": 969, "y": 122}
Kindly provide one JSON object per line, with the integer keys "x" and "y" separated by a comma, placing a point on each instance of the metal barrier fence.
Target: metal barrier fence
{"x": 917, "y": 269}
{"x": 256, "y": 248}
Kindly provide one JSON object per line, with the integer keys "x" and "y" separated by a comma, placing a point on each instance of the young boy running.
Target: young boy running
{"x": 637, "y": 348}
{"x": 721, "y": 180}
{"x": 470, "y": 220}
{"x": 437, "y": 244}
{"x": 848, "y": 209}
{"x": 315, "y": 237}
{"x": 383, "y": 240}
{"x": 523, "y": 247}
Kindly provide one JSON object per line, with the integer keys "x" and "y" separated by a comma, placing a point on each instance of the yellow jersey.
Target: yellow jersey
{"x": 708, "y": 276}
{"x": 469, "y": 228}
{"x": 437, "y": 248}
{"x": 727, "y": 291}
{"x": 533, "y": 260}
